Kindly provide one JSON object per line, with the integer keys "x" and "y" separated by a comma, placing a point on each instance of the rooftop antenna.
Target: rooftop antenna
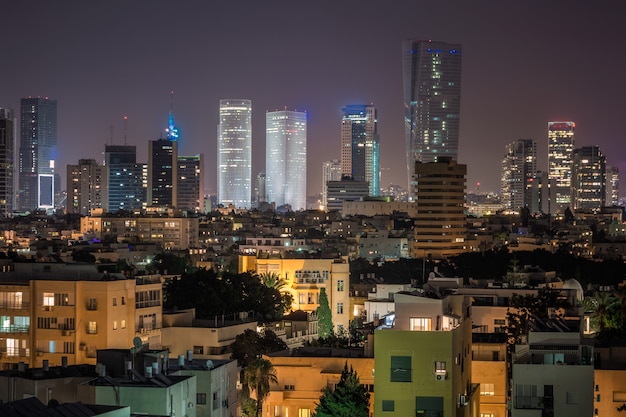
{"x": 172, "y": 130}
{"x": 125, "y": 128}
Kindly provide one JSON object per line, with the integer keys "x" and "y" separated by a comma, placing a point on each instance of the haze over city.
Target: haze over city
{"x": 524, "y": 64}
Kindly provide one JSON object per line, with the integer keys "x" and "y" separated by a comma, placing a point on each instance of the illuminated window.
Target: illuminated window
{"x": 48, "y": 299}
{"x": 440, "y": 367}
{"x": 114, "y": 324}
{"x": 340, "y": 285}
{"x": 92, "y": 328}
{"x": 487, "y": 389}
{"x": 420, "y": 324}
{"x": 304, "y": 412}
{"x": 123, "y": 324}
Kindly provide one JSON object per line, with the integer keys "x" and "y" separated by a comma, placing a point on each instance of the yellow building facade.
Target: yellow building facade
{"x": 304, "y": 278}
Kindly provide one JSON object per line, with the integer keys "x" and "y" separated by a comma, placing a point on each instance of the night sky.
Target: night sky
{"x": 524, "y": 63}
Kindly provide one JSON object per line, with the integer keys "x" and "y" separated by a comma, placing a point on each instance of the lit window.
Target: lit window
{"x": 340, "y": 285}
{"x": 92, "y": 327}
{"x": 48, "y": 299}
{"x": 123, "y": 324}
{"x": 440, "y": 367}
{"x": 114, "y": 324}
{"x": 339, "y": 308}
{"x": 304, "y": 412}
{"x": 487, "y": 389}
{"x": 420, "y": 324}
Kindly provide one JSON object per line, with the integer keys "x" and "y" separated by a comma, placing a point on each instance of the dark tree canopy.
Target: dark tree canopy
{"x": 214, "y": 295}
{"x": 324, "y": 316}
{"x": 348, "y": 399}
{"x": 250, "y": 345}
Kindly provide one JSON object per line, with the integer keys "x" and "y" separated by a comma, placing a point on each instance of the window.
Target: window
{"x": 52, "y": 346}
{"x": 216, "y": 402}
{"x": 487, "y": 415}
{"x": 198, "y": 350}
{"x": 123, "y": 301}
{"x": 114, "y": 301}
{"x": 48, "y": 299}
{"x": 290, "y": 387}
{"x": 123, "y": 324}
{"x": 440, "y": 367}
{"x": 68, "y": 347}
{"x": 339, "y": 308}
{"x": 114, "y": 324}
{"x": 92, "y": 327}
{"x": 388, "y": 405}
{"x": 400, "y": 369}
{"x": 92, "y": 304}
{"x": 302, "y": 298}
{"x": 201, "y": 398}
{"x": 420, "y": 324}
{"x": 487, "y": 389}
{"x": 340, "y": 285}
{"x": 304, "y": 412}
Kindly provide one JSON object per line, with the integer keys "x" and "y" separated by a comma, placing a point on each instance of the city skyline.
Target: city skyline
{"x": 515, "y": 79}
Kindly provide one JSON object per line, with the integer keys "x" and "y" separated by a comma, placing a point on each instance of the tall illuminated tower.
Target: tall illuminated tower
{"x": 519, "y": 167}
{"x": 38, "y": 146}
{"x": 432, "y": 102}
{"x": 360, "y": 145}
{"x": 7, "y": 161}
{"x": 588, "y": 179}
{"x": 612, "y": 186}
{"x": 127, "y": 179}
{"x": 285, "y": 158}
{"x": 191, "y": 183}
{"x": 560, "y": 150}
{"x": 234, "y": 153}
{"x": 163, "y": 173}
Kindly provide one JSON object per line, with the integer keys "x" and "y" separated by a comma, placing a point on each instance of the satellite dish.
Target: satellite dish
{"x": 209, "y": 364}
{"x": 137, "y": 342}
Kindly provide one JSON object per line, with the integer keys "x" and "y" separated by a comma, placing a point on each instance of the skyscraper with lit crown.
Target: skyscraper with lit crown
{"x": 560, "y": 152}
{"x": 432, "y": 101}
{"x": 285, "y": 163}
{"x": 234, "y": 153}
{"x": 360, "y": 145}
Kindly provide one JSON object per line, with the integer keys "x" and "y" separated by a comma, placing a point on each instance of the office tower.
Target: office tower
{"x": 345, "y": 189}
{"x": 162, "y": 173}
{"x": 260, "y": 190}
{"x": 360, "y": 145}
{"x": 234, "y": 153}
{"x": 331, "y": 171}
{"x": 588, "y": 179}
{"x": 432, "y": 101}
{"x": 519, "y": 167}
{"x": 127, "y": 179}
{"x": 191, "y": 183}
{"x": 612, "y": 186}
{"x": 440, "y": 222}
{"x": 86, "y": 187}
{"x": 38, "y": 143}
{"x": 285, "y": 158}
{"x": 560, "y": 148}
{"x": 7, "y": 163}
{"x": 541, "y": 193}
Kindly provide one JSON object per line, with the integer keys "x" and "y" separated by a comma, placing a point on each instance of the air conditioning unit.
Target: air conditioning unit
{"x": 440, "y": 377}
{"x": 65, "y": 332}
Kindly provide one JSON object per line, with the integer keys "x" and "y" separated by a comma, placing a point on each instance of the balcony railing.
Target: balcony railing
{"x": 24, "y": 305}
{"x": 15, "y": 329}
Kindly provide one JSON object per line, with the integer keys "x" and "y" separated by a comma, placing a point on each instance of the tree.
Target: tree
{"x": 324, "y": 316}
{"x": 250, "y": 345}
{"x": 258, "y": 375}
{"x": 348, "y": 399}
{"x": 603, "y": 306}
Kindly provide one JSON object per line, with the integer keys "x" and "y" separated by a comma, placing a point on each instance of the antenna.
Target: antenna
{"x": 125, "y": 128}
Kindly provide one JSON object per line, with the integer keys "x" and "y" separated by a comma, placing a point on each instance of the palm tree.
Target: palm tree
{"x": 258, "y": 375}
{"x": 272, "y": 280}
{"x": 600, "y": 305}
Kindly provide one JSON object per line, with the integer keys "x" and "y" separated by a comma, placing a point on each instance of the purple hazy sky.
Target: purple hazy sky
{"x": 524, "y": 63}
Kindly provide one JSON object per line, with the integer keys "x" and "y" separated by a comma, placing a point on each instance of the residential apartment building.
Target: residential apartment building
{"x": 170, "y": 230}
{"x": 7, "y": 161}
{"x": 423, "y": 359}
{"x": 87, "y": 187}
{"x": 53, "y": 311}
{"x": 303, "y": 373}
{"x": 304, "y": 277}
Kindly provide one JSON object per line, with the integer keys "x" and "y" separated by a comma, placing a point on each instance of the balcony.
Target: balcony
{"x": 24, "y": 305}
{"x": 14, "y": 329}
{"x": 92, "y": 305}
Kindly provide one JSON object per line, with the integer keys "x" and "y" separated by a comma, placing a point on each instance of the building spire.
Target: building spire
{"x": 172, "y": 130}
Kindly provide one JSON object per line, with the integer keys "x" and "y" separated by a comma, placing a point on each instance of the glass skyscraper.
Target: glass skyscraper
{"x": 163, "y": 173}
{"x": 234, "y": 153}
{"x": 588, "y": 179}
{"x": 127, "y": 179}
{"x": 285, "y": 162}
{"x": 38, "y": 146}
{"x": 7, "y": 163}
{"x": 560, "y": 152}
{"x": 360, "y": 145}
{"x": 519, "y": 169}
{"x": 432, "y": 101}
